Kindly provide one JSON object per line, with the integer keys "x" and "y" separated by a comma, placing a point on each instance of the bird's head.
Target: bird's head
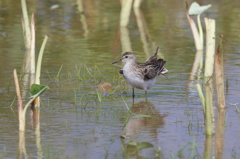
{"x": 126, "y": 58}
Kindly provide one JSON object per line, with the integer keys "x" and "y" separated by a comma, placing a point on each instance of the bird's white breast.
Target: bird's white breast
{"x": 133, "y": 77}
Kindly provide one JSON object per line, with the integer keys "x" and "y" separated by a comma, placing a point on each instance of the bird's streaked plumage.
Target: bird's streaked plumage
{"x": 142, "y": 75}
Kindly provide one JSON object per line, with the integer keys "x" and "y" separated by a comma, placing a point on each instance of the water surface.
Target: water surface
{"x": 77, "y": 123}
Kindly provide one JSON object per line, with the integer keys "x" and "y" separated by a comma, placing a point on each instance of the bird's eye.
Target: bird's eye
{"x": 126, "y": 56}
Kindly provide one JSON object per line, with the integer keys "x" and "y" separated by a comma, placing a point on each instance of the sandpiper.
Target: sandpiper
{"x": 141, "y": 75}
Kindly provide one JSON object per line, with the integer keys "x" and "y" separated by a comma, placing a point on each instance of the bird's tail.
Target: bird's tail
{"x": 161, "y": 69}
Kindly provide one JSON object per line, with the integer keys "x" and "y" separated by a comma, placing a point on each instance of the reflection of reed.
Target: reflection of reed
{"x": 36, "y": 125}
{"x": 151, "y": 123}
{"x": 197, "y": 65}
{"x": 21, "y": 146}
{"x": 145, "y": 37}
{"x": 142, "y": 26}
{"x": 125, "y": 12}
{"x": 116, "y": 41}
{"x": 38, "y": 140}
{"x": 137, "y": 3}
{"x": 220, "y": 129}
{"x": 208, "y": 147}
{"x": 125, "y": 39}
{"x": 35, "y": 116}
{"x": 83, "y": 17}
{"x": 124, "y": 20}
{"x": 209, "y": 110}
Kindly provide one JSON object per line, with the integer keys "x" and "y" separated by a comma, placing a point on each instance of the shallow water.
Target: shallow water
{"x": 77, "y": 121}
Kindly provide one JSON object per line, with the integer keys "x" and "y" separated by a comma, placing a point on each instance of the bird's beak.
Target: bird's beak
{"x": 117, "y": 61}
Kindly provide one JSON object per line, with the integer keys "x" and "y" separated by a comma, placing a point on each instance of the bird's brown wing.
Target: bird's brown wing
{"x": 153, "y": 58}
{"x": 152, "y": 70}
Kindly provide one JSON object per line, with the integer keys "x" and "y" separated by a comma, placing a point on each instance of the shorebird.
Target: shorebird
{"x": 141, "y": 75}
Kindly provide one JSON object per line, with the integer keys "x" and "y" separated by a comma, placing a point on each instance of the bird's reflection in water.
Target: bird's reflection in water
{"x": 144, "y": 117}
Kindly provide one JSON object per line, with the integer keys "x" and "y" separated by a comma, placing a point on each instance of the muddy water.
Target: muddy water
{"x": 77, "y": 120}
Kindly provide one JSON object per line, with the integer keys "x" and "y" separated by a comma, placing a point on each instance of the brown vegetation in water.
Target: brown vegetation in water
{"x": 105, "y": 87}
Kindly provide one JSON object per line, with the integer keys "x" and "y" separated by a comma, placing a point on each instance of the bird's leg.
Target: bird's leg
{"x": 132, "y": 101}
{"x": 133, "y": 95}
{"x": 146, "y": 94}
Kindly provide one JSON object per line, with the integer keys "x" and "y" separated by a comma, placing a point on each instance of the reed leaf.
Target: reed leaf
{"x": 39, "y": 62}
{"x": 36, "y": 90}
